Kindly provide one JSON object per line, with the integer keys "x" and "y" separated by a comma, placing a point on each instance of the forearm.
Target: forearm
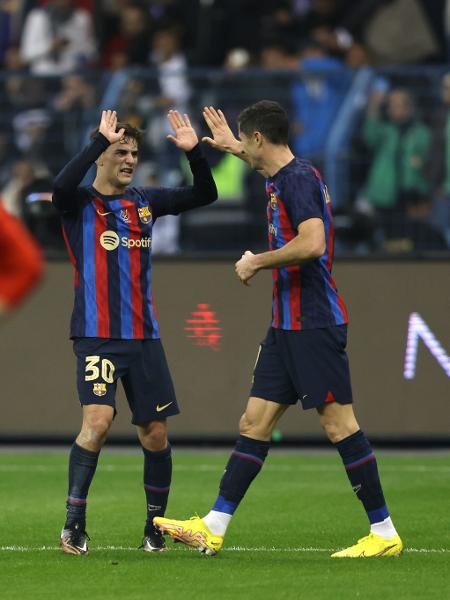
{"x": 72, "y": 174}
{"x": 296, "y": 252}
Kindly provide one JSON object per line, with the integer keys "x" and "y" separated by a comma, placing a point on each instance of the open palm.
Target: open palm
{"x": 223, "y": 138}
{"x": 184, "y": 136}
{"x": 108, "y": 124}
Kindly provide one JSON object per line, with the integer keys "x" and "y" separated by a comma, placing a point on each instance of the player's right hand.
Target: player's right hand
{"x": 108, "y": 124}
{"x": 223, "y": 138}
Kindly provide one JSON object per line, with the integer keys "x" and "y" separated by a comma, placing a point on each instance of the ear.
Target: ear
{"x": 99, "y": 161}
{"x": 258, "y": 137}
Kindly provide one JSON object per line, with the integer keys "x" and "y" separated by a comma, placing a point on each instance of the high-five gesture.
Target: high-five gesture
{"x": 223, "y": 138}
{"x": 108, "y": 124}
{"x": 185, "y": 137}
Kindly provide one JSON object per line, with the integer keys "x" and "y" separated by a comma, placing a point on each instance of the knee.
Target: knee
{"x": 253, "y": 428}
{"x": 95, "y": 430}
{"x": 336, "y": 429}
{"x": 153, "y": 436}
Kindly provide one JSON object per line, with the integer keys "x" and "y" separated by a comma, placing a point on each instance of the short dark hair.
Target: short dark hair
{"x": 267, "y": 117}
{"x": 131, "y": 132}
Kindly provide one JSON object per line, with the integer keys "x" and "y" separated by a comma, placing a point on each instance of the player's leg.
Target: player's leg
{"x": 342, "y": 429}
{"x": 98, "y": 367}
{"x": 151, "y": 396}
{"x": 83, "y": 460}
{"x": 271, "y": 380}
{"x": 157, "y": 478}
{"x": 246, "y": 460}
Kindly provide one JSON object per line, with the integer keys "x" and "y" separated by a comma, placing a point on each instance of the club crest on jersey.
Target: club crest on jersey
{"x": 273, "y": 201}
{"x": 145, "y": 214}
{"x": 125, "y": 215}
{"x": 99, "y": 389}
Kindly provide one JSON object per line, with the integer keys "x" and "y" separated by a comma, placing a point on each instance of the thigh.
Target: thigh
{"x": 271, "y": 379}
{"x": 99, "y": 364}
{"x": 318, "y": 364}
{"x": 148, "y": 384}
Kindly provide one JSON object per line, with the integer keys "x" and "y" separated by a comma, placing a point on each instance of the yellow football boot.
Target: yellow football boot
{"x": 372, "y": 545}
{"x": 193, "y": 533}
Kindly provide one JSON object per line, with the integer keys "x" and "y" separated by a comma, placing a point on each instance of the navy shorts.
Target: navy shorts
{"x": 309, "y": 365}
{"x": 142, "y": 367}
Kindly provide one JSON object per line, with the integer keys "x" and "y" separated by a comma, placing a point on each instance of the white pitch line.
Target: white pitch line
{"x": 11, "y": 468}
{"x": 229, "y": 549}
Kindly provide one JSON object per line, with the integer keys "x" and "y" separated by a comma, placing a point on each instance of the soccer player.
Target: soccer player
{"x": 21, "y": 264}
{"x": 303, "y": 355}
{"x": 108, "y": 231}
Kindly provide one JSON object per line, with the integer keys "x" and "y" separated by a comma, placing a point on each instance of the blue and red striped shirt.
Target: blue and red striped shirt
{"x": 304, "y": 296}
{"x": 109, "y": 240}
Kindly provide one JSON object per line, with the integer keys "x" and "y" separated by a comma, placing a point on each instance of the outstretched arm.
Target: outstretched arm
{"x": 203, "y": 191}
{"x": 66, "y": 182}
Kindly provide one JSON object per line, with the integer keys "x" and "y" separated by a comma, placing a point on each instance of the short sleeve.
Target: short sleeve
{"x": 303, "y": 198}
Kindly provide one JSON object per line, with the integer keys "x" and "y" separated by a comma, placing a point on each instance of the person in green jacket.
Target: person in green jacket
{"x": 400, "y": 144}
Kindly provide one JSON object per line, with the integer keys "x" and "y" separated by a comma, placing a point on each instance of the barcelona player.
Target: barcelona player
{"x": 303, "y": 356}
{"x": 108, "y": 231}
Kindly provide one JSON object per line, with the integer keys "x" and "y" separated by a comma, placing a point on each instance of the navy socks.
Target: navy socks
{"x": 82, "y": 465}
{"x": 157, "y": 478}
{"x": 244, "y": 464}
{"x": 361, "y": 466}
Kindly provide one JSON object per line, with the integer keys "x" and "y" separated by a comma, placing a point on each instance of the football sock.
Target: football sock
{"x": 157, "y": 478}
{"x": 82, "y": 465}
{"x": 243, "y": 466}
{"x": 361, "y": 466}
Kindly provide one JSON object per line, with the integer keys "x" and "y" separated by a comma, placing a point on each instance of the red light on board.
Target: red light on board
{"x": 203, "y": 327}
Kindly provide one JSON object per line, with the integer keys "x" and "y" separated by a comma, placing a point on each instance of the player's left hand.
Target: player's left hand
{"x": 245, "y": 267}
{"x": 185, "y": 137}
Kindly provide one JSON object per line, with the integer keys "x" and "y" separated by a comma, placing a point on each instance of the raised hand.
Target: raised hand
{"x": 108, "y": 124}
{"x": 185, "y": 137}
{"x": 223, "y": 138}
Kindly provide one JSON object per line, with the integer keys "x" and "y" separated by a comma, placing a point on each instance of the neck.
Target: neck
{"x": 107, "y": 188}
{"x": 277, "y": 158}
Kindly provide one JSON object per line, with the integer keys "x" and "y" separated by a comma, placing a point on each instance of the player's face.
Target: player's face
{"x": 119, "y": 162}
{"x": 251, "y": 144}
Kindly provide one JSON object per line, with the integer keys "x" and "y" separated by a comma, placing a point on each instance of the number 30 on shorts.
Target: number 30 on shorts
{"x": 93, "y": 370}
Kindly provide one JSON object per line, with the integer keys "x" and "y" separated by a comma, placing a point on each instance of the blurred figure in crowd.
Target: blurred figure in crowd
{"x": 132, "y": 43}
{"x": 74, "y": 108}
{"x": 439, "y": 163}
{"x": 414, "y": 233}
{"x": 400, "y": 145}
{"x": 58, "y": 38}
{"x": 21, "y": 263}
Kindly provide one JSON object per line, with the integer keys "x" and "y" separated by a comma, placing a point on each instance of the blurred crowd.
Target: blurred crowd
{"x": 63, "y": 60}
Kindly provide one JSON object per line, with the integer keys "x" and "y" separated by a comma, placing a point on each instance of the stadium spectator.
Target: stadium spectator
{"x": 400, "y": 145}
{"x": 132, "y": 43}
{"x": 58, "y": 38}
{"x": 316, "y": 98}
{"x": 21, "y": 265}
{"x": 73, "y": 109}
{"x": 22, "y": 174}
{"x": 439, "y": 163}
{"x": 414, "y": 232}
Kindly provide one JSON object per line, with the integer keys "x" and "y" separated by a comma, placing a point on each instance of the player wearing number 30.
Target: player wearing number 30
{"x": 108, "y": 231}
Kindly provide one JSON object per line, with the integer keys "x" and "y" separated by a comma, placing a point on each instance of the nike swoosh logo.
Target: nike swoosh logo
{"x": 104, "y": 214}
{"x": 160, "y": 408}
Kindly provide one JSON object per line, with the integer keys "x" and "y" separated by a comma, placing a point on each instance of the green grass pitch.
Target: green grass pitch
{"x": 278, "y": 546}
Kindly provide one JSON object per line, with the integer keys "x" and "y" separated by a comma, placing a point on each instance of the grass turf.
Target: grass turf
{"x": 278, "y": 546}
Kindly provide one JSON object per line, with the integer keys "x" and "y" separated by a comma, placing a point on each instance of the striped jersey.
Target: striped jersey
{"x": 304, "y": 296}
{"x": 109, "y": 238}
{"x": 109, "y": 242}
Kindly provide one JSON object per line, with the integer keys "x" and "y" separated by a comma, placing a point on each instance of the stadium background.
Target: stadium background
{"x": 347, "y": 77}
